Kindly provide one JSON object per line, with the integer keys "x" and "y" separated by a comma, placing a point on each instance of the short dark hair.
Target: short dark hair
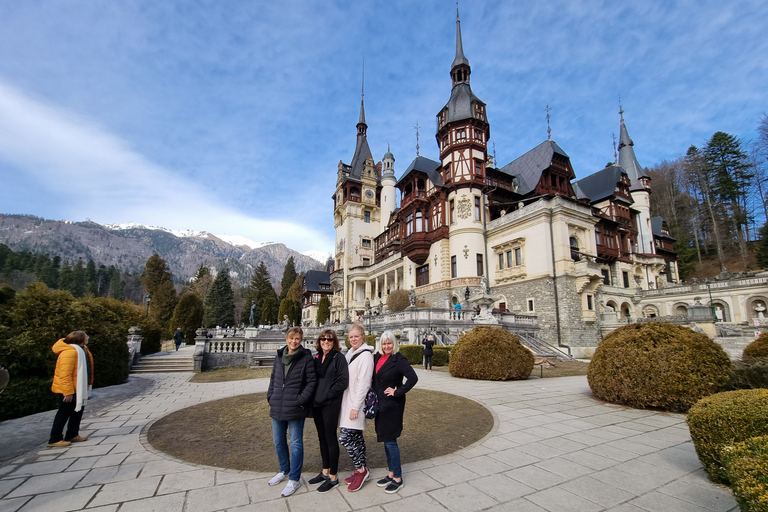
{"x": 76, "y": 338}
{"x": 331, "y": 334}
{"x": 294, "y": 330}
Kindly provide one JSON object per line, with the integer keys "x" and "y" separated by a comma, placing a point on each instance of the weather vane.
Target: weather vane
{"x": 615, "y": 157}
{"x": 549, "y": 129}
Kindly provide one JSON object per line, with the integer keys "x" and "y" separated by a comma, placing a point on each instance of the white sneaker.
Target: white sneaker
{"x": 291, "y": 487}
{"x": 277, "y": 478}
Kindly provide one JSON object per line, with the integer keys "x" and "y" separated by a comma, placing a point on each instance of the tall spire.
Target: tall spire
{"x": 362, "y": 150}
{"x": 361, "y": 126}
{"x": 627, "y": 159}
{"x": 460, "y": 68}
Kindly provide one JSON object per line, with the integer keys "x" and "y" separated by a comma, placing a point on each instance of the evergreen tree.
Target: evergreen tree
{"x": 91, "y": 286}
{"x": 289, "y": 276}
{"x": 157, "y": 281}
{"x": 267, "y": 318}
{"x": 66, "y": 278}
{"x": 323, "y": 310}
{"x": 188, "y": 315}
{"x": 116, "y": 284}
{"x": 762, "y": 248}
{"x": 294, "y": 295}
{"x": 52, "y": 274}
{"x": 202, "y": 281}
{"x": 259, "y": 289}
{"x": 78, "y": 286}
{"x": 220, "y": 302}
{"x": 287, "y": 308}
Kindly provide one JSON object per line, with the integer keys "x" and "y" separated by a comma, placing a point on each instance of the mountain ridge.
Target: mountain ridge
{"x": 128, "y": 246}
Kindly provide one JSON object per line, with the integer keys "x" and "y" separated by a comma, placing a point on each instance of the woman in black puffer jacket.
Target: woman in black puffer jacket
{"x": 290, "y": 394}
{"x": 332, "y": 379}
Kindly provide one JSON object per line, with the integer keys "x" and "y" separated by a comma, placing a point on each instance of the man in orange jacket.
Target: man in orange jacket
{"x": 72, "y": 380}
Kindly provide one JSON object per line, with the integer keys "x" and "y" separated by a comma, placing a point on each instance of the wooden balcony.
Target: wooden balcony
{"x": 416, "y": 247}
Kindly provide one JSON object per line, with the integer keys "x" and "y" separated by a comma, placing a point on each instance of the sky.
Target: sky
{"x": 230, "y": 116}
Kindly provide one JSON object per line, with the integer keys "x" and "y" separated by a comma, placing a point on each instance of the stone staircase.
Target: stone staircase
{"x": 734, "y": 345}
{"x": 166, "y": 362}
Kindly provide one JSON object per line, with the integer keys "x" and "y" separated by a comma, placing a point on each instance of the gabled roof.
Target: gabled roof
{"x": 527, "y": 168}
{"x": 656, "y": 227}
{"x": 428, "y": 167}
{"x": 602, "y": 184}
{"x": 314, "y": 278}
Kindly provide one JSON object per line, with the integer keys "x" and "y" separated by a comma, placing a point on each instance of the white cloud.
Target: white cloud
{"x": 90, "y": 173}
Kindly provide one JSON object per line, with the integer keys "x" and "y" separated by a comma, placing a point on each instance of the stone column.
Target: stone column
{"x": 201, "y": 338}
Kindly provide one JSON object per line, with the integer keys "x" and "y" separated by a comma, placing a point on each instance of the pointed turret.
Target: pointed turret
{"x": 460, "y": 59}
{"x": 362, "y": 150}
{"x": 627, "y": 159}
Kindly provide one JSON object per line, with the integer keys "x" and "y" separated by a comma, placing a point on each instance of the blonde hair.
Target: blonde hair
{"x": 387, "y": 335}
{"x": 357, "y": 327}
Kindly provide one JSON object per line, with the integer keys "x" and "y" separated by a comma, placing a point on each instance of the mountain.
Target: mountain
{"x": 128, "y": 246}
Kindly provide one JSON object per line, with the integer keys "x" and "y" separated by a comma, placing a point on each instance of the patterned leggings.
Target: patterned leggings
{"x": 352, "y": 441}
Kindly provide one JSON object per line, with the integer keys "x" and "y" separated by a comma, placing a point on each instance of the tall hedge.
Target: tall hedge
{"x": 658, "y": 365}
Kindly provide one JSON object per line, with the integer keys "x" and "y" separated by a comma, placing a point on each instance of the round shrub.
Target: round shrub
{"x": 746, "y": 465}
{"x": 657, "y": 365}
{"x": 398, "y": 300}
{"x": 724, "y": 419}
{"x": 490, "y": 353}
{"x": 758, "y": 348}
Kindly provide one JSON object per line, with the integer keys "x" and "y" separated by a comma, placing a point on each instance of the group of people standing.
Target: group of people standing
{"x": 332, "y": 388}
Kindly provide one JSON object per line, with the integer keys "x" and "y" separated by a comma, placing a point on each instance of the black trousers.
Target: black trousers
{"x": 66, "y": 415}
{"x": 327, "y": 422}
{"x": 428, "y": 362}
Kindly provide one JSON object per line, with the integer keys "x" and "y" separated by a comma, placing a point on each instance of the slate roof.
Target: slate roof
{"x": 428, "y": 167}
{"x": 656, "y": 225}
{"x": 527, "y": 168}
{"x": 460, "y": 103}
{"x": 314, "y": 278}
{"x": 601, "y": 184}
{"x": 628, "y": 160}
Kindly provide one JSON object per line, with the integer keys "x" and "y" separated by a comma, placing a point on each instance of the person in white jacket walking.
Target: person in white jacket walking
{"x": 352, "y": 419}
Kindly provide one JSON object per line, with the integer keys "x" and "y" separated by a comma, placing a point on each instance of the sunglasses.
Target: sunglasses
{"x": 322, "y": 338}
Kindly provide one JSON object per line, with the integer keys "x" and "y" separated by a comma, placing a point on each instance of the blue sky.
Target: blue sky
{"x": 231, "y": 116}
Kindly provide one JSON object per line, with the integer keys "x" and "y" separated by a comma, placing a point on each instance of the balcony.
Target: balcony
{"x": 416, "y": 246}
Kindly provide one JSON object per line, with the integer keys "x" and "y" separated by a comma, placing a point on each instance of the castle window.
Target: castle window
{"x": 606, "y": 276}
{"x": 422, "y": 275}
{"x": 367, "y": 216}
{"x": 590, "y": 304}
{"x": 419, "y": 222}
{"x": 453, "y": 266}
{"x": 531, "y": 306}
{"x": 509, "y": 259}
{"x": 501, "y": 261}
{"x": 477, "y": 208}
{"x": 366, "y": 262}
{"x": 366, "y": 242}
{"x": 574, "y": 249}
{"x": 625, "y": 277}
{"x": 479, "y": 264}
{"x": 409, "y": 225}
{"x": 478, "y": 167}
{"x": 518, "y": 256}
{"x": 453, "y": 211}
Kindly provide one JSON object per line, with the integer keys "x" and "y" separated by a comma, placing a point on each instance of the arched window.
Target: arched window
{"x": 574, "y": 249}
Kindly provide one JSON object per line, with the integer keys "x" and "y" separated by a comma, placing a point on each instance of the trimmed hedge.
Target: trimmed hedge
{"x": 758, "y": 348}
{"x": 725, "y": 419}
{"x": 414, "y": 353}
{"x": 441, "y": 355}
{"x": 490, "y": 353}
{"x": 657, "y": 365}
{"x": 746, "y": 465}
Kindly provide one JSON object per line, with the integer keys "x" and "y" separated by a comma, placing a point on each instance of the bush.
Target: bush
{"x": 490, "y": 353}
{"x": 746, "y": 465}
{"x": 152, "y": 336}
{"x": 750, "y": 373}
{"x": 398, "y": 300}
{"x": 758, "y": 348}
{"x": 723, "y": 420}
{"x": 441, "y": 355}
{"x": 657, "y": 365}
{"x": 414, "y": 353}
{"x": 27, "y": 395}
{"x": 106, "y": 321}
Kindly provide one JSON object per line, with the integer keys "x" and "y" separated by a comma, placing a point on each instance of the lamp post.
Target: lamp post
{"x": 711, "y": 304}
{"x": 147, "y": 298}
{"x": 368, "y": 311}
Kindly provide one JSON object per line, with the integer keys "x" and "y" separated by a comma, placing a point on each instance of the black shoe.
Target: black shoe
{"x": 393, "y": 487}
{"x": 328, "y": 485}
{"x": 317, "y": 479}
{"x": 384, "y": 481}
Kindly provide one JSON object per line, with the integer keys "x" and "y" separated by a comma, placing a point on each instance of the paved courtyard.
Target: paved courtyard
{"x": 552, "y": 448}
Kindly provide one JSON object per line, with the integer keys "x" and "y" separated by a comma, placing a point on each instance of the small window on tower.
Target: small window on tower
{"x": 367, "y": 216}
{"x": 366, "y": 242}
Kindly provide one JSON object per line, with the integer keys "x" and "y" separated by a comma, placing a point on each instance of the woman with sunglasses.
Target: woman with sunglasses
{"x": 332, "y": 379}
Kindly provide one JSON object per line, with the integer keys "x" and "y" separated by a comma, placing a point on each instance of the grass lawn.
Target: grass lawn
{"x": 236, "y": 432}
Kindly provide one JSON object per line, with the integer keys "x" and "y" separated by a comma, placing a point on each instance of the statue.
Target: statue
{"x": 286, "y": 323}
{"x": 251, "y": 319}
{"x": 412, "y": 297}
{"x": 760, "y": 310}
{"x": 484, "y": 285}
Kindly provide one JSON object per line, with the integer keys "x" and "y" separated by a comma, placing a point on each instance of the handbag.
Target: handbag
{"x": 371, "y": 404}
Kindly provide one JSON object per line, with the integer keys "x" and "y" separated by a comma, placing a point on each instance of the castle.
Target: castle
{"x": 542, "y": 243}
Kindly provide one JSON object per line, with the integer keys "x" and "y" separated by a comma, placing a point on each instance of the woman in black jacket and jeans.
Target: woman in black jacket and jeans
{"x": 389, "y": 369}
{"x": 332, "y": 379}
{"x": 290, "y": 393}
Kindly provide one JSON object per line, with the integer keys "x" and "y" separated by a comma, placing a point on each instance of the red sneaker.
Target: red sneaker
{"x": 349, "y": 479}
{"x": 357, "y": 480}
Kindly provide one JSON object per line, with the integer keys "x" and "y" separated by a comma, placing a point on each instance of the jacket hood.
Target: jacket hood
{"x": 60, "y": 346}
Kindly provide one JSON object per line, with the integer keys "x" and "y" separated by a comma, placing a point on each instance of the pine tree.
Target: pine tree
{"x": 266, "y": 311}
{"x": 202, "y": 281}
{"x": 323, "y": 310}
{"x": 188, "y": 315}
{"x": 294, "y": 295}
{"x": 66, "y": 278}
{"x": 287, "y": 308}
{"x": 289, "y": 276}
{"x": 259, "y": 289}
{"x": 78, "y": 286}
{"x": 220, "y": 302}
{"x": 762, "y": 248}
{"x": 157, "y": 281}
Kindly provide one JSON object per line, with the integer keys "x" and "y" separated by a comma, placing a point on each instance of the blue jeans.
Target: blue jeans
{"x": 296, "y": 430}
{"x": 392, "y": 451}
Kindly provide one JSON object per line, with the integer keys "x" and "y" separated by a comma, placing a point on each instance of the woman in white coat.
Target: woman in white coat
{"x": 352, "y": 419}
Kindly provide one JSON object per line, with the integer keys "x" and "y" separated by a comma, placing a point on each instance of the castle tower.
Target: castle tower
{"x": 640, "y": 188}
{"x": 388, "y": 190}
{"x": 462, "y": 136}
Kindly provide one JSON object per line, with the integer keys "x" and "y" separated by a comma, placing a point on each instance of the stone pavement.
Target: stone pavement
{"x": 552, "y": 448}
